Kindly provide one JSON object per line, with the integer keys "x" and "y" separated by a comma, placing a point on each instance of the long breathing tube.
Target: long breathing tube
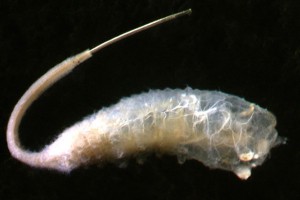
{"x": 37, "y": 159}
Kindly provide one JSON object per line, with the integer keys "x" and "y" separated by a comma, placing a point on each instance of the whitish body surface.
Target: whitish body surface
{"x": 220, "y": 130}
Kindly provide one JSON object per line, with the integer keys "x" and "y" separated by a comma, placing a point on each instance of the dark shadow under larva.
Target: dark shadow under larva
{"x": 220, "y": 130}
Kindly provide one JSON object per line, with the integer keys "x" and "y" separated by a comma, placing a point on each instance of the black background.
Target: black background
{"x": 250, "y": 48}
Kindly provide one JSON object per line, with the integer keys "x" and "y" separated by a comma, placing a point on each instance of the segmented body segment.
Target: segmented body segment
{"x": 220, "y": 130}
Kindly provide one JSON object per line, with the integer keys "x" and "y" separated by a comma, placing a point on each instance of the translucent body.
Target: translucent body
{"x": 220, "y": 130}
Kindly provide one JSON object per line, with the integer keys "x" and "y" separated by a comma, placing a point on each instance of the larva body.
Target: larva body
{"x": 220, "y": 130}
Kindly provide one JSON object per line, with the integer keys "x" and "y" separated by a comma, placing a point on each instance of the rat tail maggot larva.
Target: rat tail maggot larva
{"x": 220, "y": 130}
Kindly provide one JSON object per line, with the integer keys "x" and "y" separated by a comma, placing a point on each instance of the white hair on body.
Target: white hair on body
{"x": 220, "y": 130}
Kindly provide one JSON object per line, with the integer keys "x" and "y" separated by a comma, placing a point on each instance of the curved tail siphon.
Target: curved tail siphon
{"x": 40, "y": 159}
